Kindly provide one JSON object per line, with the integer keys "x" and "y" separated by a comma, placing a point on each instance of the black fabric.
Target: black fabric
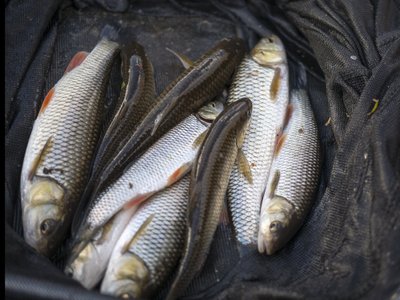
{"x": 349, "y": 245}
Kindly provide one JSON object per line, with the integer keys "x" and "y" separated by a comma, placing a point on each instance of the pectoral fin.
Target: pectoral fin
{"x": 39, "y": 157}
{"x": 200, "y": 139}
{"x": 186, "y": 61}
{"x": 244, "y": 166}
{"x": 140, "y": 232}
{"x": 274, "y": 183}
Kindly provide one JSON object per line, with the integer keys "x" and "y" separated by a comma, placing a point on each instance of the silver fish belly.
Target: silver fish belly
{"x": 150, "y": 246}
{"x": 61, "y": 146}
{"x": 165, "y": 162}
{"x": 293, "y": 178}
{"x": 267, "y": 88}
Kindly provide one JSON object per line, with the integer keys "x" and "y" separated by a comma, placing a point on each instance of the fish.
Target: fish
{"x": 135, "y": 101}
{"x": 293, "y": 177}
{"x": 209, "y": 182}
{"x": 150, "y": 247}
{"x": 89, "y": 266}
{"x": 61, "y": 146}
{"x": 137, "y": 92}
{"x": 262, "y": 76}
{"x": 193, "y": 88}
{"x": 165, "y": 162}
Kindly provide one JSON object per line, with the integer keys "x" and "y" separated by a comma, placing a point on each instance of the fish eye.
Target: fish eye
{"x": 69, "y": 272}
{"x": 47, "y": 226}
{"x": 275, "y": 226}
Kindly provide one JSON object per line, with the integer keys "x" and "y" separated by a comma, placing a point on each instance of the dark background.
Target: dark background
{"x": 349, "y": 246}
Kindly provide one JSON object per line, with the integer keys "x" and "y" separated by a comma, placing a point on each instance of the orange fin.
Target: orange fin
{"x": 178, "y": 174}
{"x": 281, "y": 138}
{"x": 275, "y": 84}
{"x": 288, "y": 115}
{"x": 47, "y": 100}
{"x": 76, "y": 61}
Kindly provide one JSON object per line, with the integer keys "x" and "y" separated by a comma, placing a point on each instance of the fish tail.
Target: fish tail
{"x": 298, "y": 77}
{"x": 110, "y": 33}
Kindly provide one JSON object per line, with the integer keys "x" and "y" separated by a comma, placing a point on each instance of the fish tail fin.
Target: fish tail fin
{"x": 298, "y": 77}
{"x": 110, "y": 33}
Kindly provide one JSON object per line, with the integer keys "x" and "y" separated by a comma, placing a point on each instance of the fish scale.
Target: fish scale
{"x": 299, "y": 169}
{"x": 160, "y": 245}
{"x": 254, "y": 82}
{"x": 144, "y": 177}
{"x": 72, "y": 119}
{"x": 298, "y": 164}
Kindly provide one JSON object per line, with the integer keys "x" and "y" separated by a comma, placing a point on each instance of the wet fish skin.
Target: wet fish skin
{"x": 136, "y": 99}
{"x": 263, "y": 78}
{"x": 209, "y": 182}
{"x": 196, "y": 86}
{"x": 164, "y": 163}
{"x": 137, "y": 92}
{"x": 61, "y": 147}
{"x": 293, "y": 178}
{"x": 138, "y": 268}
{"x": 88, "y": 267}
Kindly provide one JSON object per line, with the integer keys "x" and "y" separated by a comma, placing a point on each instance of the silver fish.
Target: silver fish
{"x": 209, "y": 181}
{"x": 89, "y": 266}
{"x": 150, "y": 246}
{"x": 263, "y": 78}
{"x": 293, "y": 177}
{"x": 165, "y": 162}
{"x": 61, "y": 146}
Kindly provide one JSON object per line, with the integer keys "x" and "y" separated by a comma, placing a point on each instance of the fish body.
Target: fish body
{"x": 89, "y": 266}
{"x": 165, "y": 162}
{"x": 293, "y": 178}
{"x": 150, "y": 247}
{"x": 209, "y": 181}
{"x": 61, "y": 146}
{"x": 263, "y": 78}
{"x": 195, "y": 87}
{"x": 137, "y": 92}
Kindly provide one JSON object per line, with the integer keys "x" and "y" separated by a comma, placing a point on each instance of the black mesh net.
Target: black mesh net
{"x": 349, "y": 245}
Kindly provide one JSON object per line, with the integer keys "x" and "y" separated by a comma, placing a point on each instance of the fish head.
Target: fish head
{"x": 277, "y": 225}
{"x": 211, "y": 111}
{"x": 269, "y": 51}
{"x": 43, "y": 215}
{"x": 84, "y": 266}
{"x": 130, "y": 278}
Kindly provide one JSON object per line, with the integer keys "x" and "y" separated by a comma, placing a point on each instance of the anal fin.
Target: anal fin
{"x": 77, "y": 60}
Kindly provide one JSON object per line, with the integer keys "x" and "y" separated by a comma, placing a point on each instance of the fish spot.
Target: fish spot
{"x": 130, "y": 185}
{"x": 253, "y": 165}
{"x": 301, "y": 130}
